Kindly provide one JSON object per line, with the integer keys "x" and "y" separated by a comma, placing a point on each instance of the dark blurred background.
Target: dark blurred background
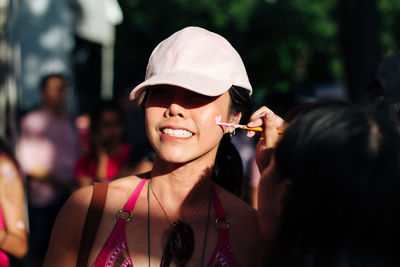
{"x": 294, "y": 50}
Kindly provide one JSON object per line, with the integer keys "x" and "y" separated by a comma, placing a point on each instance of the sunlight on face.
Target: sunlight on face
{"x": 180, "y": 124}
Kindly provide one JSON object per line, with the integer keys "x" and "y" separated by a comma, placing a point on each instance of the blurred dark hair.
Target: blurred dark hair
{"x": 44, "y": 79}
{"x": 100, "y": 108}
{"x": 228, "y": 167}
{"x": 343, "y": 162}
{"x": 376, "y": 94}
{"x": 384, "y": 88}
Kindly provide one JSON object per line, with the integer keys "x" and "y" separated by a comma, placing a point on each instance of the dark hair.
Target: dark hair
{"x": 240, "y": 102}
{"x": 100, "y": 108}
{"x": 44, "y": 79}
{"x": 384, "y": 88}
{"x": 376, "y": 94}
{"x": 228, "y": 167}
{"x": 343, "y": 162}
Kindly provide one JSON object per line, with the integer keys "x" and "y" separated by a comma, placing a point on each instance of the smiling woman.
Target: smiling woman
{"x": 174, "y": 215}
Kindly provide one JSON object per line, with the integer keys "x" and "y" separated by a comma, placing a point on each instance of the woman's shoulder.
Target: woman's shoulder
{"x": 126, "y": 183}
{"x": 120, "y": 190}
{"x": 6, "y": 159}
{"x": 234, "y": 205}
{"x": 78, "y": 203}
{"x": 8, "y": 169}
{"x": 244, "y": 231}
{"x": 240, "y": 214}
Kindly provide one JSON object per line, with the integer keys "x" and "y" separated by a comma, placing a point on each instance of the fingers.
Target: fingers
{"x": 265, "y": 118}
{"x": 259, "y": 113}
{"x": 270, "y": 131}
{"x": 251, "y": 133}
{"x": 257, "y": 120}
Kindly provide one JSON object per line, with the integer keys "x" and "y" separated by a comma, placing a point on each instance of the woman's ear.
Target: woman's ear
{"x": 235, "y": 117}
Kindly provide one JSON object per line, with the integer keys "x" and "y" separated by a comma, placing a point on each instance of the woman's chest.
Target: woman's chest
{"x": 143, "y": 239}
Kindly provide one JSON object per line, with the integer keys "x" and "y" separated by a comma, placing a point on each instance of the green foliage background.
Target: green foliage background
{"x": 282, "y": 42}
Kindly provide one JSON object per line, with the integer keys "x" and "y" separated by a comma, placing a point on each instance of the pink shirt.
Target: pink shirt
{"x": 4, "y": 261}
{"x": 87, "y": 165}
{"x": 49, "y": 144}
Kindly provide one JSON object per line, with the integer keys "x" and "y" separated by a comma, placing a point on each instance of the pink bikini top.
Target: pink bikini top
{"x": 115, "y": 251}
{"x": 4, "y": 260}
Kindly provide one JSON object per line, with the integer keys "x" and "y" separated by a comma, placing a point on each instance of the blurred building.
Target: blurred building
{"x": 43, "y": 35}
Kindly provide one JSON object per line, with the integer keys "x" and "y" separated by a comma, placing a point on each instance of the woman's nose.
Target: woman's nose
{"x": 175, "y": 110}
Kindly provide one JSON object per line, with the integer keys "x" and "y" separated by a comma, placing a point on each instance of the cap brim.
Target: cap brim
{"x": 200, "y": 84}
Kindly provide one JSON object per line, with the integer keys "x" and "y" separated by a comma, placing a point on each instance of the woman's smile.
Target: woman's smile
{"x": 176, "y": 132}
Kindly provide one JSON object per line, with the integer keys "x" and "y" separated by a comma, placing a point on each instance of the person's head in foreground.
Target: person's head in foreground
{"x": 330, "y": 196}
{"x": 385, "y": 86}
{"x": 180, "y": 216}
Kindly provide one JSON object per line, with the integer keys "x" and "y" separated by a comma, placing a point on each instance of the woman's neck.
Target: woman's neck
{"x": 181, "y": 187}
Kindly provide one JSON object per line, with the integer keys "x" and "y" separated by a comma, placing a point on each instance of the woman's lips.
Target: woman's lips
{"x": 176, "y": 132}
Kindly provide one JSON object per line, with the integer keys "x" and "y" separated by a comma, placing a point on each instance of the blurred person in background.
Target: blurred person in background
{"x": 13, "y": 223}
{"x": 47, "y": 150}
{"x": 329, "y": 189}
{"x": 109, "y": 154}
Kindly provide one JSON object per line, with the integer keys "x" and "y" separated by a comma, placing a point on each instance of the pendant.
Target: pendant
{"x": 180, "y": 245}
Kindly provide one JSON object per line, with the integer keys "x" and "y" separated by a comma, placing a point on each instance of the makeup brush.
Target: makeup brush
{"x": 240, "y": 126}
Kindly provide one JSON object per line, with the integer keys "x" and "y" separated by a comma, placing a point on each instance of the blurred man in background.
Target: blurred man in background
{"x": 47, "y": 150}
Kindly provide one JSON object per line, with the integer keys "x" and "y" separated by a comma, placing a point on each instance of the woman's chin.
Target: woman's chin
{"x": 174, "y": 158}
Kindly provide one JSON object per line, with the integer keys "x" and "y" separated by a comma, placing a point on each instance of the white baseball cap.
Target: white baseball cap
{"x": 197, "y": 60}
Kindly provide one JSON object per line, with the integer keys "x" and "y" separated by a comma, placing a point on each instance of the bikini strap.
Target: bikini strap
{"x": 125, "y": 214}
{"x": 130, "y": 205}
{"x": 221, "y": 221}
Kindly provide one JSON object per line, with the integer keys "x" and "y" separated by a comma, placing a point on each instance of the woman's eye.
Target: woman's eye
{"x": 157, "y": 91}
{"x": 200, "y": 97}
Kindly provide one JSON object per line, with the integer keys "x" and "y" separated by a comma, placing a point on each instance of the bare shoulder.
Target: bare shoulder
{"x": 9, "y": 173}
{"x": 125, "y": 182}
{"x": 244, "y": 232}
{"x": 237, "y": 210}
{"x": 75, "y": 207}
{"x": 119, "y": 192}
{"x": 78, "y": 203}
{"x": 122, "y": 188}
{"x": 65, "y": 237}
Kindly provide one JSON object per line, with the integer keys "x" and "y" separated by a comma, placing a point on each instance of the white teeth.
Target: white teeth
{"x": 177, "y": 133}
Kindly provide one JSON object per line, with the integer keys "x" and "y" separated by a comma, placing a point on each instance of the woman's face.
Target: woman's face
{"x": 110, "y": 127}
{"x": 180, "y": 124}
